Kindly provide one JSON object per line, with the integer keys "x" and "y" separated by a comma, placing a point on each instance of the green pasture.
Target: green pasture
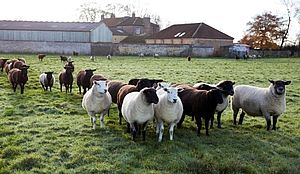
{"x": 49, "y": 132}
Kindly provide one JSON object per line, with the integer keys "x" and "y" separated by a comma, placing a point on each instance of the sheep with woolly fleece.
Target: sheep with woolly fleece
{"x": 97, "y": 101}
{"x": 47, "y": 79}
{"x": 169, "y": 109}
{"x": 138, "y": 110}
{"x": 227, "y": 89}
{"x": 256, "y": 101}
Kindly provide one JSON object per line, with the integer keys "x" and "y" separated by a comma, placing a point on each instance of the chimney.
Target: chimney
{"x": 102, "y": 17}
{"x": 133, "y": 15}
{"x": 147, "y": 26}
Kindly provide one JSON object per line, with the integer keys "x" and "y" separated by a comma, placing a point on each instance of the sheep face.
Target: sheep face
{"x": 227, "y": 87}
{"x": 101, "y": 86}
{"x": 217, "y": 95}
{"x": 279, "y": 86}
{"x": 143, "y": 83}
{"x": 172, "y": 94}
{"x": 150, "y": 95}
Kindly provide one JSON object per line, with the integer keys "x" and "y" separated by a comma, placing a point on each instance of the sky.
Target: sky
{"x": 230, "y": 16}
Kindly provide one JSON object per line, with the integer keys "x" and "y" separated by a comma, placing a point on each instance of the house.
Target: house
{"x": 52, "y": 37}
{"x": 195, "y": 34}
{"x": 128, "y": 26}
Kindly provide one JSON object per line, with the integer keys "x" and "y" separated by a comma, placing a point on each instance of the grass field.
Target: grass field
{"x": 49, "y": 132}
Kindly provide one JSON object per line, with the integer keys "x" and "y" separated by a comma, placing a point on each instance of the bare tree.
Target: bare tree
{"x": 288, "y": 5}
{"x": 89, "y": 12}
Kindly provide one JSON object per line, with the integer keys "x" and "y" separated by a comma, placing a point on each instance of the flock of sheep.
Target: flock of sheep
{"x": 143, "y": 100}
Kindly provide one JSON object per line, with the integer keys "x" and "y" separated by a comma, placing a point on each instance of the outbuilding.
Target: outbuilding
{"x": 52, "y": 37}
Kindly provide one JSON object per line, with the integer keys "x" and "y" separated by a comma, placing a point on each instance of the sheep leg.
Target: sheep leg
{"x": 212, "y": 122}
{"x": 132, "y": 126}
{"x": 79, "y": 88}
{"x": 60, "y": 87}
{"x": 67, "y": 88}
{"x": 22, "y": 88}
{"x": 235, "y": 113}
{"x": 161, "y": 131}
{"x": 199, "y": 124}
{"x": 171, "y": 130}
{"x": 102, "y": 120}
{"x": 274, "y": 122}
{"x": 128, "y": 128}
{"x": 207, "y": 125}
{"x": 120, "y": 114}
{"x": 93, "y": 119}
{"x": 144, "y": 127}
{"x": 43, "y": 86}
{"x": 71, "y": 88}
{"x": 14, "y": 87}
{"x": 241, "y": 117}
{"x": 219, "y": 119}
{"x": 193, "y": 117}
{"x": 179, "y": 124}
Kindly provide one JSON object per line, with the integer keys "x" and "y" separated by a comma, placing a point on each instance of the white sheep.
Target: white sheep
{"x": 156, "y": 55}
{"x": 137, "y": 109}
{"x": 97, "y": 101}
{"x": 257, "y": 101}
{"x": 47, "y": 79}
{"x": 108, "y": 57}
{"x": 169, "y": 109}
{"x": 92, "y": 58}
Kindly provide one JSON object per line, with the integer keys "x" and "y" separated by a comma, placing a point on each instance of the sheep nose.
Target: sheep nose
{"x": 105, "y": 90}
{"x": 174, "y": 100}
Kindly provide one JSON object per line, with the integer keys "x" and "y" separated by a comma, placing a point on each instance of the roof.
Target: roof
{"x": 118, "y": 32}
{"x": 124, "y": 21}
{"x": 194, "y": 30}
{"x": 48, "y": 26}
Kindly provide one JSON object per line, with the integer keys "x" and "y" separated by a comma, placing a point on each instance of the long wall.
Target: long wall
{"x": 44, "y": 47}
{"x": 103, "y": 48}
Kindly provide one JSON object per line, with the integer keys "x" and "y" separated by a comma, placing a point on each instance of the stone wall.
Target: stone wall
{"x": 44, "y": 47}
{"x": 163, "y": 50}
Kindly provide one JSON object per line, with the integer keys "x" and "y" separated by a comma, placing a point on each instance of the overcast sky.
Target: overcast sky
{"x": 230, "y": 16}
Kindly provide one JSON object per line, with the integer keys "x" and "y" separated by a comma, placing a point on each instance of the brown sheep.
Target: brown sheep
{"x": 96, "y": 77}
{"x": 2, "y": 63}
{"x": 9, "y": 65}
{"x": 199, "y": 103}
{"x": 113, "y": 88}
{"x": 126, "y": 89}
{"x": 18, "y": 77}
{"x": 18, "y": 64}
{"x": 83, "y": 79}
{"x": 70, "y": 63}
{"x": 41, "y": 56}
{"x": 66, "y": 79}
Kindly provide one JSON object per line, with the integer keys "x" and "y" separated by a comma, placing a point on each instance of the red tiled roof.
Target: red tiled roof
{"x": 194, "y": 30}
{"x": 48, "y": 26}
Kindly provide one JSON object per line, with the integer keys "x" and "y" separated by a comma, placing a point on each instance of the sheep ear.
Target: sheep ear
{"x": 93, "y": 69}
{"x": 287, "y": 82}
{"x": 271, "y": 81}
{"x": 94, "y": 82}
{"x": 233, "y": 82}
{"x": 180, "y": 89}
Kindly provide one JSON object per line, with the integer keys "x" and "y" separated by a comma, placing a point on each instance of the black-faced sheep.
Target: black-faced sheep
{"x": 66, "y": 79}
{"x": 169, "y": 109}
{"x": 47, "y": 79}
{"x": 256, "y": 101}
{"x": 18, "y": 77}
{"x": 108, "y": 57}
{"x": 138, "y": 110}
{"x": 124, "y": 90}
{"x": 97, "y": 101}
{"x": 227, "y": 89}
{"x": 2, "y": 63}
{"x": 41, "y": 56}
{"x": 83, "y": 79}
{"x": 199, "y": 103}
{"x": 153, "y": 82}
{"x": 63, "y": 58}
{"x": 113, "y": 88}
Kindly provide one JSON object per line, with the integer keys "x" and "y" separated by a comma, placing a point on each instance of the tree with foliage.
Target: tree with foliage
{"x": 264, "y": 32}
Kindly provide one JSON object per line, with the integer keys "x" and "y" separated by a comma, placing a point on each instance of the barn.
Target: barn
{"x": 52, "y": 37}
{"x": 193, "y": 34}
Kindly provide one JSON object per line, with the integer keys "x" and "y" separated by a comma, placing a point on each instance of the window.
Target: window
{"x": 137, "y": 30}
